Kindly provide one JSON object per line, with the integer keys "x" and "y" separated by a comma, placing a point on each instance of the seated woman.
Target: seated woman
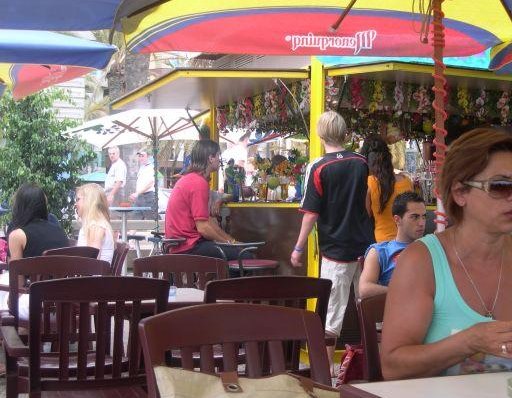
{"x": 188, "y": 216}
{"x": 448, "y": 305}
{"x": 92, "y": 209}
{"x": 30, "y": 233}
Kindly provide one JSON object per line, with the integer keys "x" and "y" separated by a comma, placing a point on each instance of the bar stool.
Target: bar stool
{"x": 159, "y": 241}
{"x": 248, "y": 265}
{"x": 136, "y": 239}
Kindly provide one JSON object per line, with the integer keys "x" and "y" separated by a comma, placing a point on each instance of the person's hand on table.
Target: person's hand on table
{"x": 133, "y": 196}
{"x": 296, "y": 257}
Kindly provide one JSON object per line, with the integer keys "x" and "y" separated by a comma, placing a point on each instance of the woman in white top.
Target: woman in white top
{"x": 92, "y": 209}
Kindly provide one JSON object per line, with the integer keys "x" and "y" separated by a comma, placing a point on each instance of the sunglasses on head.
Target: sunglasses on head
{"x": 496, "y": 189}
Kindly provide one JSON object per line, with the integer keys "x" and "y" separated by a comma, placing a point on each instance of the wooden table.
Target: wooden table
{"x": 484, "y": 385}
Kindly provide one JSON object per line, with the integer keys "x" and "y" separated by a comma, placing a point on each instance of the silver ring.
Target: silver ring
{"x": 504, "y": 349}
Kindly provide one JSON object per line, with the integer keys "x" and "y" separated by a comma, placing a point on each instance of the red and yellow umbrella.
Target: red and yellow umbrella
{"x": 303, "y": 27}
{"x": 25, "y": 79}
{"x": 308, "y": 27}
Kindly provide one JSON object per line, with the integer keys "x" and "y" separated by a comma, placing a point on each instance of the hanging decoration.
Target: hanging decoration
{"x": 377, "y": 97}
{"x": 463, "y": 100}
{"x": 356, "y": 89}
{"x": 421, "y": 96}
{"x": 481, "y": 111}
{"x": 504, "y": 107}
{"x": 399, "y": 99}
{"x": 305, "y": 95}
{"x": 258, "y": 108}
{"x": 331, "y": 93}
{"x": 366, "y": 107}
{"x": 271, "y": 105}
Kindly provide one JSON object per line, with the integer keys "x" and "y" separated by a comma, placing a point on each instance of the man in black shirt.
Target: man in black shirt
{"x": 335, "y": 200}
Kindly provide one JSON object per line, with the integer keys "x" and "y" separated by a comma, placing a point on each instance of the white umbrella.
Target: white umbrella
{"x": 136, "y": 126}
{"x": 139, "y": 125}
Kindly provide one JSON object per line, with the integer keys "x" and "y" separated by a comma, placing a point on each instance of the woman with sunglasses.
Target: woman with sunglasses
{"x": 448, "y": 308}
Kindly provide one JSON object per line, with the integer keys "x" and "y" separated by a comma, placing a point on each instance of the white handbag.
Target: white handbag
{"x": 180, "y": 383}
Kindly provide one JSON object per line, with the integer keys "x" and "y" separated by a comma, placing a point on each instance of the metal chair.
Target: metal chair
{"x": 247, "y": 266}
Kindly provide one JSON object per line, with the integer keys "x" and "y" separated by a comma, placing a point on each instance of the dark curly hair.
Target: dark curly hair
{"x": 380, "y": 164}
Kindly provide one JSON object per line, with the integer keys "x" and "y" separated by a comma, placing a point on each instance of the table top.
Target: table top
{"x": 483, "y": 385}
{"x": 187, "y": 294}
{"x": 128, "y": 209}
{"x": 240, "y": 244}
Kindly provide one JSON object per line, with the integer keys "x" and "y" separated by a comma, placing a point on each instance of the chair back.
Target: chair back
{"x": 194, "y": 331}
{"x": 371, "y": 313}
{"x": 23, "y": 272}
{"x": 120, "y": 253}
{"x": 286, "y": 291}
{"x": 185, "y": 270}
{"x": 84, "y": 359}
{"x": 79, "y": 251}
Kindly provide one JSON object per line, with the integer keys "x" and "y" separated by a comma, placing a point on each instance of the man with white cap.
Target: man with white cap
{"x": 144, "y": 195}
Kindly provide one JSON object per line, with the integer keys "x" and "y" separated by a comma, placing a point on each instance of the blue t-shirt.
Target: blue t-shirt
{"x": 388, "y": 252}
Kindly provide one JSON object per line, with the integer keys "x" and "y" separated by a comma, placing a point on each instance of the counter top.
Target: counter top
{"x": 286, "y": 205}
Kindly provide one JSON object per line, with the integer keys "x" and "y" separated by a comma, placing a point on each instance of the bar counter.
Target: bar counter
{"x": 276, "y": 223}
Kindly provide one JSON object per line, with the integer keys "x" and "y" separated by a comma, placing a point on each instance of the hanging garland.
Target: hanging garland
{"x": 481, "y": 111}
{"x": 422, "y": 97}
{"x": 399, "y": 98}
{"x": 503, "y": 107}
{"x": 305, "y": 95}
{"x": 222, "y": 121}
{"x": 356, "y": 89}
{"x": 377, "y": 97}
{"x": 463, "y": 100}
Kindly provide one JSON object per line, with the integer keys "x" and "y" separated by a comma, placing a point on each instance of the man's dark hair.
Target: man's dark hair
{"x": 400, "y": 203}
{"x": 29, "y": 204}
{"x": 200, "y": 154}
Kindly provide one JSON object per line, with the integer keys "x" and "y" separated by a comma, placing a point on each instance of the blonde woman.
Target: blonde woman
{"x": 92, "y": 209}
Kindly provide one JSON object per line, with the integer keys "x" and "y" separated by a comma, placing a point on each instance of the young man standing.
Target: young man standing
{"x": 116, "y": 177}
{"x": 409, "y": 214}
{"x": 144, "y": 195}
{"x": 334, "y": 200}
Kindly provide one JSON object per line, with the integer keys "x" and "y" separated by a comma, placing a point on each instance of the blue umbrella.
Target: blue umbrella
{"x": 67, "y": 14}
{"x": 49, "y": 48}
{"x": 33, "y": 60}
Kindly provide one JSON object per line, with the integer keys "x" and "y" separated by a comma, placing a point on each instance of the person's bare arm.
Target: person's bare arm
{"x": 368, "y": 282}
{"x": 17, "y": 242}
{"x": 95, "y": 237}
{"x": 116, "y": 187}
{"x": 134, "y": 195}
{"x": 308, "y": 221}
{"x": 409, "y": 306}
{"x": 368, "y": 203}
{"x": 212, "y": 231}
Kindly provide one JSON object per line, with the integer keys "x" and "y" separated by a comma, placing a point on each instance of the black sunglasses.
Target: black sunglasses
{"x": 496, "y": 189}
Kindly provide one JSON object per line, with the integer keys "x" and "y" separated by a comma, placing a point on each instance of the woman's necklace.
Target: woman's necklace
{"x": 489, "y": 313}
